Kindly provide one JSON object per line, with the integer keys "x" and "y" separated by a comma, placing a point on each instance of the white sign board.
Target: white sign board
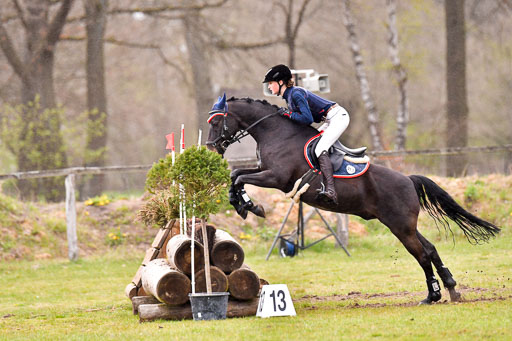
{"x": 275, "y": 300}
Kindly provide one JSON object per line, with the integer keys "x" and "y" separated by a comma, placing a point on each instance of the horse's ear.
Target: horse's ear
{"x": 221, "y": 103}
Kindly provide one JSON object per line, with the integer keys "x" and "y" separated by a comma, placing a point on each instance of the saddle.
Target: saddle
{"x": 338, "y": 154}
{"x": 346, "y": 163}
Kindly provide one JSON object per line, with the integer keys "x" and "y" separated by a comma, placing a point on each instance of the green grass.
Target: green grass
{"x": 84, "y": 300}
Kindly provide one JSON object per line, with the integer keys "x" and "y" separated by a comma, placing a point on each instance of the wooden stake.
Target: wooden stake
{"x": 206, "y": 257}
{"x": 71, "y": 217}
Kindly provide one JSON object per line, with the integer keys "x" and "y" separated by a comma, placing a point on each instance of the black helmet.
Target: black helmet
{"x": 278, "y": 73}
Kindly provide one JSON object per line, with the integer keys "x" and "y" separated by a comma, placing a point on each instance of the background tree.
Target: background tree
{"x": 39, "y": 143}
{"x": 291, "y": 29}
{"x": 96, "y": 140}
{"x": 457, "y": 111}
{"x": 373, "y": 114}
{"x": 402, "y": 114}
{"x": 200, "y": 67}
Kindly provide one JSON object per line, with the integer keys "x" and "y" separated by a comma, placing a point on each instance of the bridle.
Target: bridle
{"x": 226, "y": 138}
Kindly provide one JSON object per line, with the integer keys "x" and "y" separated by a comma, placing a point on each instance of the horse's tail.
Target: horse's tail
{"x": 440, "y": 205}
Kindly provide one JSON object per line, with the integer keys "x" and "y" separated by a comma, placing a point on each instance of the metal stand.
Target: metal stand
{"x": 298, "y": 234}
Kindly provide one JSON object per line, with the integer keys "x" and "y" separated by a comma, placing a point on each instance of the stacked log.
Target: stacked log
{"x": 226, "y": 253}
{"x": 244, "y": 284}
{"x": 218, "y": 278}
{"x": 166, "y": 281}
{"x": 179, "y": 254}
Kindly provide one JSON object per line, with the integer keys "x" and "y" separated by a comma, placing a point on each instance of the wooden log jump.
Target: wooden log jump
{"x": 151, "y": 312}
{"x": 244, "y": 284}
{"x": 179, "y": 255}
{"x": 218, "y": 277}
{"x": 166, "y": 283}
{"x": 226, "y": 254}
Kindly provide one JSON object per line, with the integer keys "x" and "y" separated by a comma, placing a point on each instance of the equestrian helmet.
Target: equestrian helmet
{"x": 278, "y": 73}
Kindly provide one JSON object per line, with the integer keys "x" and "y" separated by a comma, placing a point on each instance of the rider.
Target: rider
{"x": 305, "y": 107}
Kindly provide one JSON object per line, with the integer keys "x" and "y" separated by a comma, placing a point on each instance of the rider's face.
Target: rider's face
{"x": 274, "y": 87}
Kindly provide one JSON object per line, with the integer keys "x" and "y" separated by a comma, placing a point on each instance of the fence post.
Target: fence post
{"x": 71, "y": 217}
{"x": 342, "y": 228}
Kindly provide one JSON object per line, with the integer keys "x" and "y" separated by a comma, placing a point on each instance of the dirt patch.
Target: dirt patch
{"x": 485, "y": 295}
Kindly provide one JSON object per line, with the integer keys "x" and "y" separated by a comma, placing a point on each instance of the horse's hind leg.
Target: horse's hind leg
{"x": 445, "y": 274}
{"x": 404, "y": 228}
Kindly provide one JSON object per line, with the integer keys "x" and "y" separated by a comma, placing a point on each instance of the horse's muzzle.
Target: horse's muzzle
{"x": 215, "y": 147}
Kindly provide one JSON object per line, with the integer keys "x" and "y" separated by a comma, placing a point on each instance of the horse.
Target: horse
{"x": 380, "y": 193}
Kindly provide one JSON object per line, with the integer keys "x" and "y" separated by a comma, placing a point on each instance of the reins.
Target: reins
{"x": 229, "y": 140}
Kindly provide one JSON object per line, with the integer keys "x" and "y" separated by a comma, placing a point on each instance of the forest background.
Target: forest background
{"x": 103, "y": 82}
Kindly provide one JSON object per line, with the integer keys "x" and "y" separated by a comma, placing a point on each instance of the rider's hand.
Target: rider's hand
{"x": 285, "y": 112}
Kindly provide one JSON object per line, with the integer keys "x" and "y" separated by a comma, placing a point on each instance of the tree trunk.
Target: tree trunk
{"x": 40, "y": 143}
{"x": 96, "y": 141}
{"x": 200, "y": 65}
{"x": 41, "y": 140}
{"x": 218, "y": 278}
{"x": 165, "y": 283}
{"x": 373, "y": 115}
{"x": 151, "y": 312}
{"x": 179, "y": 255}
{"x": 138, "y": 300}
{"x": 400, "y": 75}
{"x": 244, "y": 284}
{"x": 456, "y": 94}
{"x": 227, "y": 254}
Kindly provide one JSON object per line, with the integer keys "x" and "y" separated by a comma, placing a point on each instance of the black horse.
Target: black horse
{"x": 380, "y": 193}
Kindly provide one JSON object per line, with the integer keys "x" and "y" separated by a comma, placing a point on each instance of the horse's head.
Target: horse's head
{"x": 222, "y": 129}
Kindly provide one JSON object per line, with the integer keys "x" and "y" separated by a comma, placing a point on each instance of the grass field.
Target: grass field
{"x": 373, "y": 294}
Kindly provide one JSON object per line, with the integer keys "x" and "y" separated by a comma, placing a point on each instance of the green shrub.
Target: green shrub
{"x": 159, "y": 177}
{"x": 204, "y": 177}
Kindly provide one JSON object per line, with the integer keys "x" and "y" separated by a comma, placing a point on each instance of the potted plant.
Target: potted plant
{"x": 204, "y": 177}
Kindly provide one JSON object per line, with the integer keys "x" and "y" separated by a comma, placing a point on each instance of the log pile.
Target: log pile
{"x": 161, "y": 286}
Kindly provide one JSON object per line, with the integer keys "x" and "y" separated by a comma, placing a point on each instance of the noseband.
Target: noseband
{"x": 226, "y": 138}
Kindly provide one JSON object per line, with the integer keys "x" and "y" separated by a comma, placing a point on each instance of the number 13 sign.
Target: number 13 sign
{"x": 275, "y": 300}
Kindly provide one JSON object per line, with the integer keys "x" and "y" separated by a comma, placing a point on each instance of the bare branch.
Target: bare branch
{"x": 58, "y": 22}
{"x": 167, "y": 8}
{"x": 224, "y": 45}
{"x": 114, "y": 41}
{"x": 11, "y": 55}
{"x": 283, "y": 8}
{"x": 21, "y": 13}
{"x": 173, "y": 65}
{"x": 299, "y": 19}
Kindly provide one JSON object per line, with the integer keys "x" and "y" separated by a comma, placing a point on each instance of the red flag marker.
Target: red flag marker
{"x": 170, "y": 141}
{"x": 182, "y": 141}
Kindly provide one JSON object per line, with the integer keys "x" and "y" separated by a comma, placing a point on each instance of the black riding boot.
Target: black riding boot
{"x": 326, "y": 167}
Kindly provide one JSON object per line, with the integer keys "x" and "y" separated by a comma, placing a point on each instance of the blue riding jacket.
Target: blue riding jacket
{"x": 306, "y": 107}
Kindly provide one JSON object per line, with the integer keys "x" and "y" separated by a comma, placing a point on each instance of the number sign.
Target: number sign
{"x": 275, "y": 300}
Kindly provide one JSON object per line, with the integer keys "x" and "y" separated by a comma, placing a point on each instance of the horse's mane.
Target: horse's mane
{"x": 250, "y": 100}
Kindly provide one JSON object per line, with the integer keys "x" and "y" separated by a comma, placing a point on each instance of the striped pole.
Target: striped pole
{"x": 183, "y": 211}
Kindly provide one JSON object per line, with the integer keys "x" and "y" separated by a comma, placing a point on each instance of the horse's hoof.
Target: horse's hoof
{"x": 426, "y": 301}
{"x": 454, "y": 295}
{"x": 258, "y": 210}
{"x": 241, "y": 212}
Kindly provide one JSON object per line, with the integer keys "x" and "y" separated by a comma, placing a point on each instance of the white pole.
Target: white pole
{"x": 71, "y": 217}
{"x": 192, "y": 248}
{"x": 183, "y": 211}
{"x": 199, "y": 138}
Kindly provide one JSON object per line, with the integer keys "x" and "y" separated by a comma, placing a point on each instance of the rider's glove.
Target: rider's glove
{"x": 285, "y": 112}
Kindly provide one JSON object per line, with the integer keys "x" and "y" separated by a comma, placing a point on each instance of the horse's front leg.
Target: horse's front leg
{"x": 261, "y": 179}
{"x": 236, "y": 197}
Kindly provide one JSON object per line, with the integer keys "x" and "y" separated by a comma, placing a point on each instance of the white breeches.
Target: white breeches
{"x": 336, "y": 122}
